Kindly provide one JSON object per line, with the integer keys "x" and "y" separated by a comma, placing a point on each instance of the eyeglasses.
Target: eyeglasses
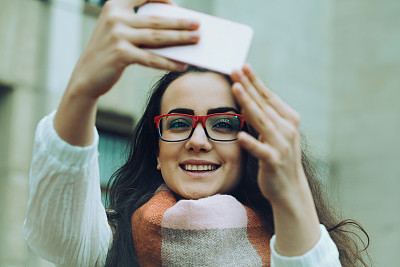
{"x": 180, "y": 127}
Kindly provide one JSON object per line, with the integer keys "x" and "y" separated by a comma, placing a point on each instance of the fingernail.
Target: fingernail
{"x": 240, "y": 75}
{"x": 180, "y": 66}
{"x": 235, "y": 75}
{"x": 238, "y": 86}
{"x": 194, "y": 36}
{"x": 194, "y": 24}
{"x": 248, "y": 67}
{"x": 241, "y": 136}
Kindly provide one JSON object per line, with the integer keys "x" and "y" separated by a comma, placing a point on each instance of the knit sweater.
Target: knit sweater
{"x": 66, "y": 222}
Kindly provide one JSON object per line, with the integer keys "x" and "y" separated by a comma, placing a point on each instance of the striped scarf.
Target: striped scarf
{"x": 213, "y": 231}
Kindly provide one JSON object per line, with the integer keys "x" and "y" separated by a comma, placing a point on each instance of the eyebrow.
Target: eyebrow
{"x": 210, "y": 111}
{"x": 182, "y": 111}
{"x": 222, "y": 110}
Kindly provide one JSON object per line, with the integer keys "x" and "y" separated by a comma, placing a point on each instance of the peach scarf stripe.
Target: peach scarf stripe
{"x": 213, "y": 231}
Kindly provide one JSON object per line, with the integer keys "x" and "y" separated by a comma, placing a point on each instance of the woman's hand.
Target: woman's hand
{"x": 278, "y": 146}
{"x": 281, "y": 177}
{"x": 117, "y": 42}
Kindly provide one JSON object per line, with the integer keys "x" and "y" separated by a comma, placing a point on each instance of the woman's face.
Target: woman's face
{"x": 199, "y": 94}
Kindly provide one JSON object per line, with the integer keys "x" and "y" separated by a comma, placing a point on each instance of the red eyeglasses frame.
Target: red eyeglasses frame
{"x": 195, "y": 120}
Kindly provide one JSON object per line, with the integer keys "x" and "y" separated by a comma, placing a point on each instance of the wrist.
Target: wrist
{"x": 76, "y": 116}
{"x": 78, "y": 89}
{"x": 296, "y": 203}
{"x": 296, "y": 223}
{"x": 292, "y": 193}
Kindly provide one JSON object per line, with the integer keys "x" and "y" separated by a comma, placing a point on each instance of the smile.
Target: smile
{"x": 199, "y": 168}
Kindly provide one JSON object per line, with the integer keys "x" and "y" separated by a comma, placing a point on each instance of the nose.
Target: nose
{"x": 199, "y": 140}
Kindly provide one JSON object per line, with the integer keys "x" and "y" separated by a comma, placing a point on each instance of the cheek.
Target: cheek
{"x": 238, "y": 167}
{"x": 233, "y": 156}
{"x": 167, "y": 153}
{"x": 237, "y": 154}
{"x": 158, "y": 156}
{"x": 161, "y": 155}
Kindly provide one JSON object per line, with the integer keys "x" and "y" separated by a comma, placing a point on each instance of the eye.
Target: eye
{"x": 225, "y": 125}
{"x": 178, "y": 124}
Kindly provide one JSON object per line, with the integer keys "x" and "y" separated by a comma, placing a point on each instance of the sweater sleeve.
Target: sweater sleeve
{"x": 65, "y": 220}
{"x": 324, "y": 253}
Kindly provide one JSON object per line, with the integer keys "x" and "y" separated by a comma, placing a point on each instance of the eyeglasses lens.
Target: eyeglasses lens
{"x": 219, "y": 127}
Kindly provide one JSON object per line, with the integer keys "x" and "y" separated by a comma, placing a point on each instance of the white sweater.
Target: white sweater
{"x": 66, "y": 222}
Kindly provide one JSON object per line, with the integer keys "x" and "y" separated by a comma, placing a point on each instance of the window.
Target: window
{"x": 93, "y": 7}
{"x": 114, "y": 131}
{"x": 96, "y": 2}
{"x": 112, "y": 155}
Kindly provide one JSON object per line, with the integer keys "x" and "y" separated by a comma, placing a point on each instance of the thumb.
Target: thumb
{"x": 134, "y": 3}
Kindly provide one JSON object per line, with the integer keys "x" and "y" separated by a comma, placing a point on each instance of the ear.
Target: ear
{"x": 158, "y": 164}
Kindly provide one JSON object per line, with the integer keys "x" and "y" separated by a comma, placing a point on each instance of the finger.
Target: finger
{"x": 125, "y": 3}
{"x": 238, "y": 76}
{"x": 261, "y": 87}
{"x": 156, "y": 22}
{"x": 282, "y": 125}
{"x": 133, "y": 3}
{"x": 170, "y": 2}
{"x": 270, "y": 113}
{"x": 274, "y": 100}
{"x": 255, "y": 116}
{"x": 283, "y": 129}
{"x": 149, "y": 59}
{"x": 262, "y": 151}
{"x": 128, "y": 54}
{"x": 161, "y": 38}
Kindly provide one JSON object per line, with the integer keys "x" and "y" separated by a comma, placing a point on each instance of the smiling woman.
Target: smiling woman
{"x": 227, "y": 168}
{"x": 215, "y": 176}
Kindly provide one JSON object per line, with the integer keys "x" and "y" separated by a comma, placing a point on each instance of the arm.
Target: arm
{"x": 114, "y": 45}
{"x": 66, "y": 222}
{"x": 324, "y": 253}
{"x": 281, "y": 177}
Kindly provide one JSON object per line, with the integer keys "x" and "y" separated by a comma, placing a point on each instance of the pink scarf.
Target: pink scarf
{"x": 213, "y": 231}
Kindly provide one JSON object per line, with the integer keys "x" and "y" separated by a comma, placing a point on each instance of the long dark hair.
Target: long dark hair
{"x": 135, "y": 182}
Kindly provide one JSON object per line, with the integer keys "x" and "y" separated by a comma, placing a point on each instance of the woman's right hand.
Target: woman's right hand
{"x": 117, "y": 42}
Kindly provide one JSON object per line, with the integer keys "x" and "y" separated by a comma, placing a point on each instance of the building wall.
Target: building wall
{"x": 336, "y": 62}
{"x": 292, "y": 53}
{"x": 366, "y": 122}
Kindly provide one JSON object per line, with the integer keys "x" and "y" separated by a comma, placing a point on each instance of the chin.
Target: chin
{"x": 195, "y": 194}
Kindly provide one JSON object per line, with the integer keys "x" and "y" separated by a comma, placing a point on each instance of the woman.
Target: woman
{"x": 192, "y": 138}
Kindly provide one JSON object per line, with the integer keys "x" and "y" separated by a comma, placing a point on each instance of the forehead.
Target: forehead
{"x": 199, "y": 92}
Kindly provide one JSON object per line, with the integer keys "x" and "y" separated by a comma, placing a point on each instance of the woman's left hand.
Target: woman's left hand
{"x": 278, "y": 146}
{"x": 281, "y": 176}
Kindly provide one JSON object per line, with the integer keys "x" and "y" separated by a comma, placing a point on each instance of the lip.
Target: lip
{"x": 198, "y": 162}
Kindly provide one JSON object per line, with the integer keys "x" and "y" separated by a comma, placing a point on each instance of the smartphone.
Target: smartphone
{"x": 223, "y": 45}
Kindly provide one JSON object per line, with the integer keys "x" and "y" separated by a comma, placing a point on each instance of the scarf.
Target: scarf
{"x": 212, "y": 231}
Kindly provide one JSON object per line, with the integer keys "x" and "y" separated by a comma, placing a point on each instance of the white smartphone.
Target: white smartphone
{"x": 223, "y": 46}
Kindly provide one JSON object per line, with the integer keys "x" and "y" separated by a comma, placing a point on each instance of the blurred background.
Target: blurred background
{"x": 336, "y": 62}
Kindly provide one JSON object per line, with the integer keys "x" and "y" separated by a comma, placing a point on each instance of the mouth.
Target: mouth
{"x": 199, "y": 168}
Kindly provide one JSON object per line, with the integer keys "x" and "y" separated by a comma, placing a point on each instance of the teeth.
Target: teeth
{"x": 190, "y": 167}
